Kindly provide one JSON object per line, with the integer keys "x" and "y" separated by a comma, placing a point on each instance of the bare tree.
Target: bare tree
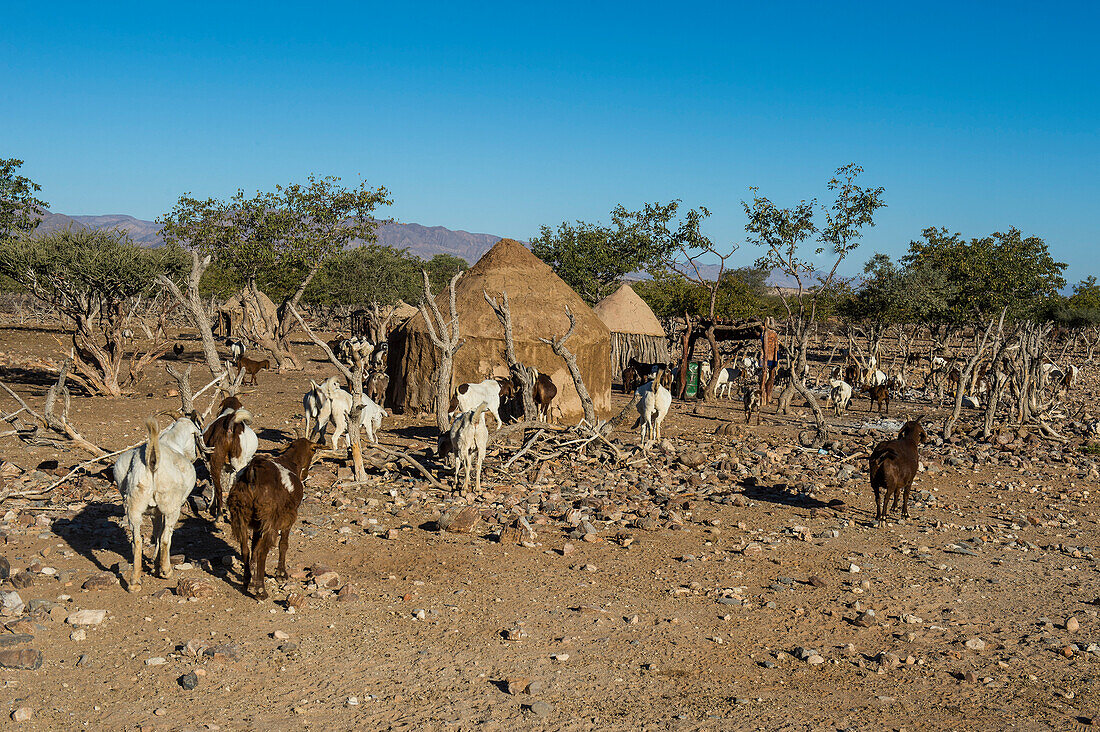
{"x": 557, "y": 345}
{"x": 782, "y": 232}
{"x": 515, "y": 368}
{"x": 199, "y": 313}
{"x": 444, "y": 335}
{"x": 981, "y": 342}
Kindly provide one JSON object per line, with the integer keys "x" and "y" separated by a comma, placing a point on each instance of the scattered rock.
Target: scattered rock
{"x": 540, "y": 708}
{"x": 22, "y": 714}
{"x": 27, "y": 659}
{"x": 189, "y": 680}
{"x": 459, "y": 519}
{"x": 188, "y": 587}
{"x": 1073, "y": 625}
{"x": 975, "y": 644}
{"x": 86, "y": 617}
{"x": 100, "y": 581}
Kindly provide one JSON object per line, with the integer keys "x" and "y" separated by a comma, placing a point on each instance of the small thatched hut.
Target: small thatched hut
{"x": 635, "y": 330}
{"x": 537, "y": 298}
{"x": 239, "y": 316}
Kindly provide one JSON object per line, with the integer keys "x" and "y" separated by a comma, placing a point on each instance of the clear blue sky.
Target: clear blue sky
{"x": 974, "y": 116}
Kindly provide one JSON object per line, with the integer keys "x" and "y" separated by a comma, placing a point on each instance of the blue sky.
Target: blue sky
{"x": 499, "y": 118}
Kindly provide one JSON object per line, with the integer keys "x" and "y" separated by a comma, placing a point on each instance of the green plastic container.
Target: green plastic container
{"x": 693, "y": 379}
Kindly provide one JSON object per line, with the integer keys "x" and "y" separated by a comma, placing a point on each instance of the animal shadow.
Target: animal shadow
{"x": 779, "y": 493}
{"x": 96, "y": 533}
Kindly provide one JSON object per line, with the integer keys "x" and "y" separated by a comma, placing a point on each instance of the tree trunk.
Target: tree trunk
{"x": 515, "y": 368}
{"x": 558, "y": 347}
{"x": 444, "y": 337}
{"x": 200, "y": 315}
{"x": 798, "y": 382}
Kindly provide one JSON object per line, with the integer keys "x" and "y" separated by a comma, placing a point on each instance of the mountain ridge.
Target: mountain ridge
{"x": 423, "y": 241}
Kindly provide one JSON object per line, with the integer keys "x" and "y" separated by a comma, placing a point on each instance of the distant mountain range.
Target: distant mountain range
{"x": 423, "y": 241}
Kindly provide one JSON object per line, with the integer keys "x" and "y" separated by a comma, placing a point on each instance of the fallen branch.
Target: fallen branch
{"x": 408, "y": 459}
{"x": 526, "y": 448}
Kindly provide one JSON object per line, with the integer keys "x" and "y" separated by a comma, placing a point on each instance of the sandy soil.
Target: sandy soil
{"x": 694, "y": 619}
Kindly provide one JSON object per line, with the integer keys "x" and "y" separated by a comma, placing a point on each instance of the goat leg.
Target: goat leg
{"x": 168, "y": 525}
{"x": 136, "y": 546}
{"x": 284, "y": 542}
{"x": 258, "y": 579}
{"x": 905, "y": 503}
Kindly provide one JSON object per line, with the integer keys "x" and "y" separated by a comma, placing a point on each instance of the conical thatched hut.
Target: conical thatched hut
{"x": 238, "y": 315}
{"x": 635, "y": 330}
{"x": 537, "y": 298}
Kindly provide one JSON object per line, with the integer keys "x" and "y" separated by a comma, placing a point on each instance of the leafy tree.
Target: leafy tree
{"x": 783, "y": 233}
{"x": 669, "y": 294}
{"x": 278, "y": 240}
{"x": 593, "y": 258}
{"x": 93, "y": 277}
{"x": 742, "y": 293}
{"x": 20, "y": 210}
{"x": 372, "y": 273}
{"x": 988, "y": 274}
{"x": 880, "y": 301}
{"x": 441, "y": 268}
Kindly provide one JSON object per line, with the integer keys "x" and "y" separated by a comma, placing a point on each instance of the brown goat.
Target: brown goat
{"x": 853, "y": 374}
{"x": 893, "y": 465}
{"x": 252, "y": 367}
{"x": 375, "y": 388}
{"x": 543, "y": 392}
{"x": 233, "y": 444}
{"x": 264, "y": 502}
{"x": 631, "y": 380}
{"x": 879, "y": 395}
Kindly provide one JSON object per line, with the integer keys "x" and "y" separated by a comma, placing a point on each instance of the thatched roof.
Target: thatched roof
{"x": 624, "y": 312}
{"x": 537, "y": 298}
{"x": 234, "y": 304}
{"x": 402, "y": 311}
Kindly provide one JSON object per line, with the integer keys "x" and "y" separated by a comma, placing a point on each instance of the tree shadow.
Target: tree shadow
{"x": 417, "y": 432}
{"x": 33, "y": 377}
{"x": 92, "y": 533}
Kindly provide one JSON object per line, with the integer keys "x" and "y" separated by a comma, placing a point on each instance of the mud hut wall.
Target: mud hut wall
{"x": 413, "y": 361}
{"x": 647, "y": 349}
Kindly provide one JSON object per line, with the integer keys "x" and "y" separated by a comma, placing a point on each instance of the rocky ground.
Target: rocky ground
{"x": 732, "y": 581}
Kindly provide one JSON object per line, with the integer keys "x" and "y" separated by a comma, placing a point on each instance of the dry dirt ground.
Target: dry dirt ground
{"x": 693, "y": 609}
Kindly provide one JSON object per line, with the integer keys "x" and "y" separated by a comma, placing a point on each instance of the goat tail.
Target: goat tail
{"x": 152, "y": 448}
{"x": 481, "y": 409}
{"x": 242, "y": 416}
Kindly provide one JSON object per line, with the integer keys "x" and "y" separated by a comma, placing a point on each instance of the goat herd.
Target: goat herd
{"x": 262, "y": 495}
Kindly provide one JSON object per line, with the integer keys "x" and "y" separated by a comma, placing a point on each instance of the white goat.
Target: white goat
{"x": 876, "y": 378}
{"x": 653, "y": 404}
{"x": 705, "y": 373}
{"x": 312, "y": 405}
{"x": 335, "y": 410}
{"x": 158, "y": 475}
{"x": 370, "y": 419}
{"x": 726, "y": 377}
{"x": 468, "y": 397}
{"x": 468, "y": 438}
{"x": 841, "y": 395}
